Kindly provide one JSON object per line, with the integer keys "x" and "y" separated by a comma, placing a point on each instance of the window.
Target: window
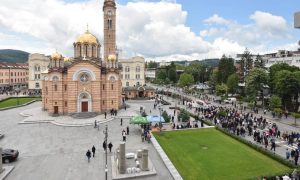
{"x": 55, "y": 87}
{"x": 103, "y": 102}
{"x": 138, "y": 69}
{"x": 127, "y": 69}
{"x": 112, "y": 87}
{"x": 37, "y": 85}
{"x": 46, "y": 89}
{"x": 138, "y": 83}
{"x": 55, "y": 78}
{"x": 84, "y": 78}
{"x": 66, "y": 87}
{"x": 11, "y": 74}
{"x": 37, "y": 68}
{"x": 127, "y": 84}
{"x": 66, "y": 103}
{"x": 112, "y": 102}
{"x": 103, "y": 86}
{"x": 138, "y": 76}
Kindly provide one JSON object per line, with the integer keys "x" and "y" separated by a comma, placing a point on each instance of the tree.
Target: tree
{"x": 152, "y": 64}
{"x": 246, "y": 63}
{"x": 166, "y": 117}
{"x": 221, "y": 89}
{"x": 296, "y": 116}
{"x": 255, "y": 81}
{"x": 197, "y": 70}
{"x": 183, "y": 116}
{"x": 232, "y": 83}
{"x": 259, "y": 62}
{"x": 226, "y": 68}
{"x": 275, "y": 69}
{"x": 172, "y": 75}
{"x": 161, "y": 74}
{"x": 213, "y": 80}
{"x": 275, "y": 102}
{"x": 186, "y": 80}
{"x": 287, "y": 87}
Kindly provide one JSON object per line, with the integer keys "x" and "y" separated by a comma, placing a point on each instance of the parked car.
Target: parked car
{"x": 230, "y": 100}
{"x": 9, "y": 155}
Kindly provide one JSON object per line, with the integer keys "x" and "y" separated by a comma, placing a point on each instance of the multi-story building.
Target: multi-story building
{"x": 291, "y": 58}
{"x": 38, "y": 63}
{"x": 133, "y": 73}
{"x": 150, "y": 73}
{"x": 13, "y": 76}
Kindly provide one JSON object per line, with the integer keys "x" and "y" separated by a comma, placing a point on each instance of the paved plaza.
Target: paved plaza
{"x": 49, "y": 151}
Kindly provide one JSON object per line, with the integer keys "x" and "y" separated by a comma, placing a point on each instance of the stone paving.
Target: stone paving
{"x": 57, "y": 152}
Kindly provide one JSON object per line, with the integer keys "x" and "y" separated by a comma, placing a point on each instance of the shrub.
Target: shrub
{"x": 166, "y": 116}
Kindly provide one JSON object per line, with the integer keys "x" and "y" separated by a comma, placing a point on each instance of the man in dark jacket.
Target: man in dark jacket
{"x": 110, "y": 146}
{"x": 88, "y": 155}
{"x": 94, "y": 151}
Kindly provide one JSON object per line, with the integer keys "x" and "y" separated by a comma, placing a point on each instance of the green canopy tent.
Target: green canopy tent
{"x": 138, "y": 120}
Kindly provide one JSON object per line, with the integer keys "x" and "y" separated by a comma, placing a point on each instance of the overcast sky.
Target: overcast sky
{"x": 167, "y": 29}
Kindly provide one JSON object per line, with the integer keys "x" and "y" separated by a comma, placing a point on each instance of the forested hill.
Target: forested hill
{"x": 13, "y": 56}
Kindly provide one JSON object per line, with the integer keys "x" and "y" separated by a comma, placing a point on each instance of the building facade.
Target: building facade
{"x": 37, "y": 63}
{"x": 13, "y": 76}
{"x": 133, "y": 72}
{"x": 291, "y": 58}
{"x": 150, "y": 73}
{"x": 86, "y": 83}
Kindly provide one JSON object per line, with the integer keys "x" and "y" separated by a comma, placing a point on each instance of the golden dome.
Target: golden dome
{"x": 66, "y": 59}
{"x": 56, "y": 55}
{"x": 112, "y": 57}
{"x": 87, "y": 37}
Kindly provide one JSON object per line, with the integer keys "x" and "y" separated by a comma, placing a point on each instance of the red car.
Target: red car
{"x": 9, "y": 155}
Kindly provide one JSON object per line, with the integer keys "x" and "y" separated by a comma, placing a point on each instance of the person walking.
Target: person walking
{"x": 88, "y": 155}
{"x": 94, "y": 151}
{"x": 124, "y": 135}
{"x": 105, "y": 115}
{"x": 121, "y": 121}
{"x": 273, "y": 144}
{"x": 127, "y": 130}
{"x": 296, "y": 157}
{"x": 104, "y": 145}
{"x": 95, "y": 126}
{"x": 110, "y": 146}
{"x": 288, "y": 154}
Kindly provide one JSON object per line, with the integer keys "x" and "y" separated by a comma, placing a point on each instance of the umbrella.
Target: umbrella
{"x": 138, "y": 120}
{"x": 155, "y": 119}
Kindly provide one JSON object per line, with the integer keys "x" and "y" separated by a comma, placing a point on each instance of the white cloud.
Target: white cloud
{"x": 153, "y": 29}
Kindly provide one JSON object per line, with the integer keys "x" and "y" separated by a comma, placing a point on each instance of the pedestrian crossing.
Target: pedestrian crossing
{"x": 285, "y": 145}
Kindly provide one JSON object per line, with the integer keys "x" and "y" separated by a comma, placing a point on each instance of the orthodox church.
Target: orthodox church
{"x": 85, "y": 83}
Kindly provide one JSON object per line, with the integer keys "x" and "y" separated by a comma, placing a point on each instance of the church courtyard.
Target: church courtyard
{"x": 210, "y": 154}
{"x": 58, "y": 152}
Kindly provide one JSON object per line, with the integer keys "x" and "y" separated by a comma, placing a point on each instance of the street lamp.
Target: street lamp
{"x": 105, "y": 140}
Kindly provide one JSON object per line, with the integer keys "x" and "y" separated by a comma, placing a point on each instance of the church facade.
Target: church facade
{"x": 85, "y": 83}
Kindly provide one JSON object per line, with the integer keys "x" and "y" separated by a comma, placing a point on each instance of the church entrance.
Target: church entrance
{"x": 141, "y": 94}
{"x": 141, "y": 91}
{"x": 84, "y": 106}
{"x": 55, "y": 110}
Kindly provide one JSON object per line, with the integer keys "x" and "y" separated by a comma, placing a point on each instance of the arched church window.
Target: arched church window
{"x": 84, "y": 78}
{"x": 109, "y": 24}
{"x": 84, "y": 96}
{"x": 55, "y": 78}
{"x": 112, "y": 78}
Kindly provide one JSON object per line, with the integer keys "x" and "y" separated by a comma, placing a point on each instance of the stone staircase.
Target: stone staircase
{"x": 84, "y": 115}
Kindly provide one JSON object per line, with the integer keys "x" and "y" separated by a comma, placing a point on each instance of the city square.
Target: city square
{"x": 121, "y": 89}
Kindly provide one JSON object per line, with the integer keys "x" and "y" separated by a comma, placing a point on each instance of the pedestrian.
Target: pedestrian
{"x": 104, "y": 145}
{"x": 124, "y": 135}
{"x": 287, "y": 153}
{"x": 95, "y": 124}
{"x": 105, "y": 115}
{"x": 273, "y": 144}
{"x": 296, "y": 157}
{"x": 110, "y": 146}
{"x": 127, "y": 130}
{"x": 88, "y": 155}
{"x": 94, "y": 151}
{"x": 121, "y": 121}
{"x": 125, "y": 107}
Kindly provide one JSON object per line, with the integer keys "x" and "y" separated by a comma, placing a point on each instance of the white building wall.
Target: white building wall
{"x": 133, "y": 77}
{"x": 35, "y": 75}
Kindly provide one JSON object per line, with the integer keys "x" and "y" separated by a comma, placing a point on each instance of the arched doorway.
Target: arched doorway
{"x": 141, "y": 91}
{"x": 84, "y": 102}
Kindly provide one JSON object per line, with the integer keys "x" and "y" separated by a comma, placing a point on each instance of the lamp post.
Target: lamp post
{"x": 105, "y": 140}
{"x": 160, "y": 125}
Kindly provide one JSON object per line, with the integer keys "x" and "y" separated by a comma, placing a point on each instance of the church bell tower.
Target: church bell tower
{"x": 109, "y": 15}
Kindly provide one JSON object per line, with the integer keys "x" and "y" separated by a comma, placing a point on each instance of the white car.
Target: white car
{"x": 230, "y": 100}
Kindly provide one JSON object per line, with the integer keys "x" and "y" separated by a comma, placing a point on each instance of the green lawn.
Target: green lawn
{"x": 209, "y": 154}
{"x": 14, "y": 101}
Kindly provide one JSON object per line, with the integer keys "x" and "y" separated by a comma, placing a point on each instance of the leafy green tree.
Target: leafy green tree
{"x": 197, "y": 70}
{"x": 152, "y": 64}
{"x": 166, "y": 116}
{"x": 226, "y": 68}
{"x": 295, "y": 116}
{"x": 183, "y": 116}
{"x": 255, "y": 80}
{"x": 186, "y": 80}
{"x": 232, "y": 83}
{"x": 259, "y": 62}
{"x": 275, "y": 69}
{"x": 213, "y": 80}
{"x": 172, "y": 75}
{"x": 162, "y": 74}
{"x": 287, "y": 86}
{"x": 275, "y": 102}
{"x": 246, "y": 63}
{"x": 221, "y": 89}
